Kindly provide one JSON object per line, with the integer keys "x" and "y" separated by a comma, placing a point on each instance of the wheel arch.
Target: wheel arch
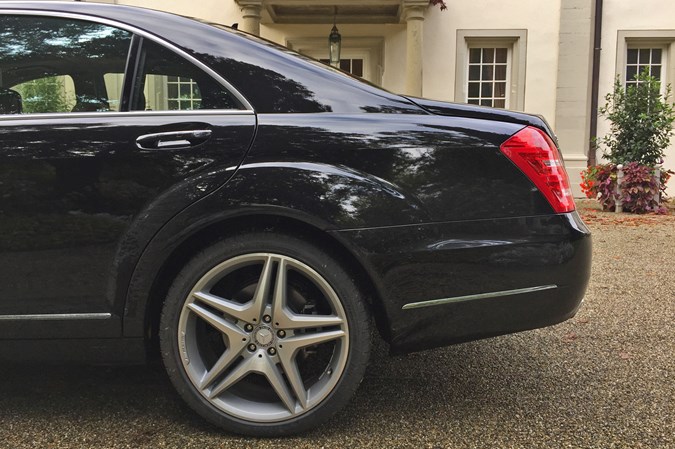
{"x": 202, "y": 238}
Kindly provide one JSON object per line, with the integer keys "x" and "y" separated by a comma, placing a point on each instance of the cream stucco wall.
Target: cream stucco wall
{"x": 219, "y": 11}
{"x": 440, "y": 46}
{"x": 542, "y": 23}
{"x": 629, "y": 15}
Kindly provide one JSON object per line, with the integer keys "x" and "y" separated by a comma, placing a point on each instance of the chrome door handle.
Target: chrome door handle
{"x": 172, "y": 143}
{"x": 173, "y": 140}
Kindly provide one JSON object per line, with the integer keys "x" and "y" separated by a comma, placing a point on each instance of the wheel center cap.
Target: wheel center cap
{"x": 264, "y": 336}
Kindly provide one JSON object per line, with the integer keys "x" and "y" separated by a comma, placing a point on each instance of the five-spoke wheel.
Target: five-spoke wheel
{"x": 263, "y": 337}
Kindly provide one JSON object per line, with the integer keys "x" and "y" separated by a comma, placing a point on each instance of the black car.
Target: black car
{"x": 180, "y": 188}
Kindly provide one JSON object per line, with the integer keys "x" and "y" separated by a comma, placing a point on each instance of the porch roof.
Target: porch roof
{"x": 324, "y": 11}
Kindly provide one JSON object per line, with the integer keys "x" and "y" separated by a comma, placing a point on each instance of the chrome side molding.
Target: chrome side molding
{"x": 57, "y": 316}
{"x": 456, "y": 299}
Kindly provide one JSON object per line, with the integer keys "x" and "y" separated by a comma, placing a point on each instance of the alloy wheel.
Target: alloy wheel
{"x": 263, "y": 337}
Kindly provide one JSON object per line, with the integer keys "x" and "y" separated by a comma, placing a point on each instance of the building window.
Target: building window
{"x": 182, "y": 94}
{"x": 490, "y": 68}
{"x": 640, "y": 59}
{"x": 353, "y": 66}
{"x": 639, "y": 50}
{"x": 488, "y": 72}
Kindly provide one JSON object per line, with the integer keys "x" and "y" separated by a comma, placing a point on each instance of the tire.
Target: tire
{"x": 265, "y": 334}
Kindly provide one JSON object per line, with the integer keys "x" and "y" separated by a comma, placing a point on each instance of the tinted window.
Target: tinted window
{"x": 60, "y": 65}
{"x": 167, "y": 82}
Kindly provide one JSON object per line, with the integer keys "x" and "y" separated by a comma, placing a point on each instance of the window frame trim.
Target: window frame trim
{"x": 664, "y": 39}
{"x": 248, "y": 109}
{"x": 648, "y": 45}
{"x": 113, "y": 114}
{"x": 509, "y": 64}
{"x": 515, "y": 40}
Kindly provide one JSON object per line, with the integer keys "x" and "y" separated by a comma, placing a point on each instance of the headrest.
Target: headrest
{"x": 10, "y": 101}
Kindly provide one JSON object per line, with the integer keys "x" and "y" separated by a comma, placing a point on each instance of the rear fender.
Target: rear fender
{"x": 325, "y": 197}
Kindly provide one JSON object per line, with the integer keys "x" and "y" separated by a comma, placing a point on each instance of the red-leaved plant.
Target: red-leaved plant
{"x": 599, "y": 181}
{"x": 639, "y": 191}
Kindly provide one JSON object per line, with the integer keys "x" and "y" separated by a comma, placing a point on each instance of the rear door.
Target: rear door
{"x": 104, "y": 136}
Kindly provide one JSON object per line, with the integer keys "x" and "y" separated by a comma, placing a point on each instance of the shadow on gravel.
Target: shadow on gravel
{"x": 404, "y": 389}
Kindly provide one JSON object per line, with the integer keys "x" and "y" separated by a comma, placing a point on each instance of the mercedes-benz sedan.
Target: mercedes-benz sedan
{"x": 180, "y": 188}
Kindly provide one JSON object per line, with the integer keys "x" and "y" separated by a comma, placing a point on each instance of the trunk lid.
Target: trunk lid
{"x": 485, "y": 113}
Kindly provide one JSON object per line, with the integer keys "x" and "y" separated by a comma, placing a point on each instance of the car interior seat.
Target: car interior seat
{"x": 10, "y": 101}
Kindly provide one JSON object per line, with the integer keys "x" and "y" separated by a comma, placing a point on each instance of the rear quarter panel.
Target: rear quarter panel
{"x": 436, "y": 168}
{"x": 395, "y": 190}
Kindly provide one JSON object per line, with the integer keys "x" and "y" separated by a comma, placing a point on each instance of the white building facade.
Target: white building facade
{"x": 535, "y": 56}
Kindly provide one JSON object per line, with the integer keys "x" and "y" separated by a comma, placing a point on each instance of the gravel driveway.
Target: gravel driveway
{"x": 605, "y": 379}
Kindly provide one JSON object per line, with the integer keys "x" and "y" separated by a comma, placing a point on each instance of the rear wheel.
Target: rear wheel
{"x": 265, "y": 334}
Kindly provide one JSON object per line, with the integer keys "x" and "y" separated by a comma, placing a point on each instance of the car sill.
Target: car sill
{"x": 457, "y": 299}
{"x": 57, "y": 316}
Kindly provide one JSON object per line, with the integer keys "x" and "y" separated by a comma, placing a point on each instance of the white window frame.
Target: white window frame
{"x": 509, "y": 63}
{"x": 516, "y": 43}
{"x": 664, "y": 61}
{"x": 664, "y": 39}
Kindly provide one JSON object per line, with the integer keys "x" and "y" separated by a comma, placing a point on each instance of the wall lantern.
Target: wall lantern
{"x": 335, "y": 43}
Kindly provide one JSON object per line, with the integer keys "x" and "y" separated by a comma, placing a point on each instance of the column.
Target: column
{"x": 573, "y": 93}
{"x": 251, "y": 16}
{"x": 413, "y": 14}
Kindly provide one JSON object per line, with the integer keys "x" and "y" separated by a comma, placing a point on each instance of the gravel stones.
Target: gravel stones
{"x": 604, "y": 379}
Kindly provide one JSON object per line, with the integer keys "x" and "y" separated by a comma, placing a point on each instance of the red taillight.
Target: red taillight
{"x": 535, "y": 154}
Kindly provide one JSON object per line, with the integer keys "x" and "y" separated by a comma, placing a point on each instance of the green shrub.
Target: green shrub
{"x": 641, "y": 122}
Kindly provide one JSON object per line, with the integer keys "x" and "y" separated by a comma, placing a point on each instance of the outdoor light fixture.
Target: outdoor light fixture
{"x": 335, "y": 43}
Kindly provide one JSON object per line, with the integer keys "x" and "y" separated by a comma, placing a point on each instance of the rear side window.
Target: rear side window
{"x": 50, "y": 64}
{"x": 167, "y": 82}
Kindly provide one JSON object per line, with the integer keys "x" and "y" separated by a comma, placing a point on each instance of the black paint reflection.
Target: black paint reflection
{"x": 266, "y": 89}
{"x": 80, "y": 190}
{"x": 391, "y": 170}
{"x": 474, "y": 257}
